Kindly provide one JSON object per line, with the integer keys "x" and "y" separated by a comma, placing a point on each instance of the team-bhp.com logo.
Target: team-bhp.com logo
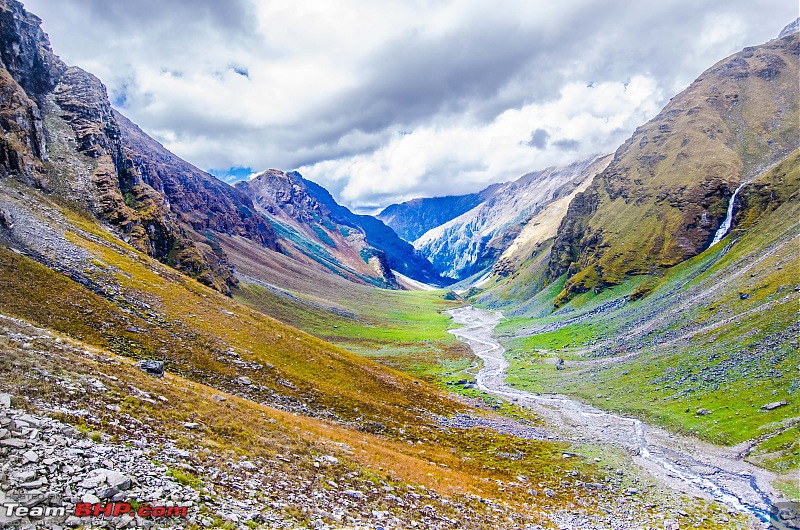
{"x": 116, "y": 509}
{"x": 85, "y": 509}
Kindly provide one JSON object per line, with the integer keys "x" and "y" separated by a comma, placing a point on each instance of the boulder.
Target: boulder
{"x": 774, "y": 405}
{"x": 155, "y": 368}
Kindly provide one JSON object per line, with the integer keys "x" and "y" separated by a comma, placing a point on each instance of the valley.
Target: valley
{"x": 608, "y": 343}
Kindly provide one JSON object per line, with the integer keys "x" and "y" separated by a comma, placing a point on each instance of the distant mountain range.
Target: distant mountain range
{"x": 413, "y": 218}
{"x": 466, "y": 234}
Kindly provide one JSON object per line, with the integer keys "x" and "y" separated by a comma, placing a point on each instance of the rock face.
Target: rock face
{"x": 62, "y": 135}
{"x": 29, "y": 71}
{"x": 314, "y": 224}
{"x": 794, "y": 27}
{"x": 663, "y": 197}
{"x": 475, "y": 240}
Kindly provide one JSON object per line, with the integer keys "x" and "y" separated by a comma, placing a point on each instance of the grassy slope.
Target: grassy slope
{"x": 146, "y": 310}
{"x": 402, "y": 329}
{"x": 667, "y": 190}
{"x": 718, "y": 331}
{"x": 446, "y": 462}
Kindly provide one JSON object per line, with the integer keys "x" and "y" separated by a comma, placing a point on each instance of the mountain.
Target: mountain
{"x": 330, "y": 236}
{"x": 62, "y": 136}
{"x": 126, "y": 379}
{"x": 413, "y": 218}
{"x": 794, "y": 27}
{"x": 65, "y": 138}
{"x": 474, "y": 240}
{"x": 401, "y": 255}
{"x": 667, "y": 191}
{"x": 536, "y": 231}
{"x": 669, "y": 293}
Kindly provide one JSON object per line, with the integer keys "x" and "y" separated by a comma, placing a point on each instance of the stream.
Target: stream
{"x": 682, "y": 463}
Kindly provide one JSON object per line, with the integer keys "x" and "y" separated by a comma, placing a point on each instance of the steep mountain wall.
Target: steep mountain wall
{"x": 61, "y": 135}
{"x": 667, "y": 190}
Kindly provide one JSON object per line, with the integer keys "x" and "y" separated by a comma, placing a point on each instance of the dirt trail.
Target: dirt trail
{"x": 682, "y": 463}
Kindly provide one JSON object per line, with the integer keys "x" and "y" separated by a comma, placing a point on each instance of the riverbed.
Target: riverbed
{"x": 682, "y": 463}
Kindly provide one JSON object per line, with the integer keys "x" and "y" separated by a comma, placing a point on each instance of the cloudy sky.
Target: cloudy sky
{"x": 383, "y": 101}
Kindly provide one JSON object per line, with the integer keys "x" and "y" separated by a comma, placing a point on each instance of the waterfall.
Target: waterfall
{"x": 726, "y": 225}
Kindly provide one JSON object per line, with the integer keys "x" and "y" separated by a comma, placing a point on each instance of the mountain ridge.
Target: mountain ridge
{"x": 413, "y": 218}
{"x": 475, "y": 239}
{"x": 338, "y": 237}
{"x": 663, "y": 188}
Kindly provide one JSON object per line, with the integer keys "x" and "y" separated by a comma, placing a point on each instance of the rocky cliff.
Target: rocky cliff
{"x": 61, "y": 135}
{"x": 666, "y": 192}
{"x": 315, "y": 225}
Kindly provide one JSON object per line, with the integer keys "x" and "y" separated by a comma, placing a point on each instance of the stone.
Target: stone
{"x": 108, "y": 493}
{"x": 354, "y": 494}
{"x": 25, "y": 476}
{"x": 155, "y": 368}
{"x": 34, "y": 484}
{"x": 30, "y": 456}
{"x": 774, "y": 405}
{"x": 90, "y": 498}
{"x": 125, "y": 521}
{"x": 244, "y": 380}
{"x": 191, "y": 425}
{"x": 14, "y": 443}
{"x": 5, "y": 400}
{"x": 118, "y": 480}
{"x": 703, "y": 412}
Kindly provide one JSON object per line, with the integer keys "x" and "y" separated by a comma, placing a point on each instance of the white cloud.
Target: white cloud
{"x": 466, "y": 157}
{"x": 329, "y": 86}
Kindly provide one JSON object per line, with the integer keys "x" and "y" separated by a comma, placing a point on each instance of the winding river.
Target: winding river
{"x": 682, "y": 463}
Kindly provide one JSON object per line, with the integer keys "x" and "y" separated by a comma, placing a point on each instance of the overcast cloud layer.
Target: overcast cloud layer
{"x": 384, "y": 101}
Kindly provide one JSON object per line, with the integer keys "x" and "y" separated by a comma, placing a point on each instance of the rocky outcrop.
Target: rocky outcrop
{"x": 61, "y": 135}
{"x": 666, "y": 192}
{"x": 29, "y": 71}
{"x": 198, "y": 199}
